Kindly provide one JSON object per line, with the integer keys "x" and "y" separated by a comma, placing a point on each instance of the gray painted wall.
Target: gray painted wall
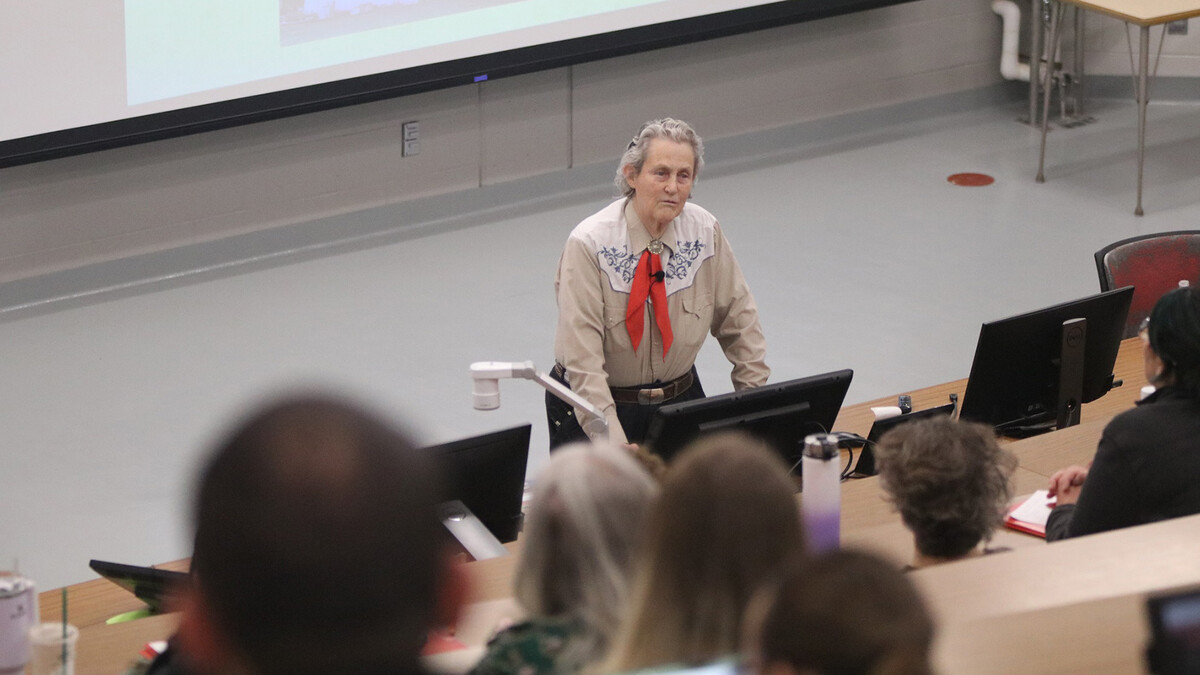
{"x": 76, "y": 211}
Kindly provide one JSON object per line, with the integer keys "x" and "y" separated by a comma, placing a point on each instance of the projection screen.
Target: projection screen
{"x": 84, "y": 76}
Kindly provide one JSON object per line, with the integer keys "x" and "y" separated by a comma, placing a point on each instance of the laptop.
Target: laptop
{"x": 866, "y": 458}
{"x": 1174, "y": 632}
{"x": 150, "y": 584}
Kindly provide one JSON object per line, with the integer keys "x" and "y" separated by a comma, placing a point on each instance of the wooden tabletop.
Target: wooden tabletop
{"x": 971, "y": 598}
{"x": 1143, "y": 12}
{"x": 1071, "y": 606}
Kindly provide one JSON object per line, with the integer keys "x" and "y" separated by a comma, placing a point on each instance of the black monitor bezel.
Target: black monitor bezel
{"x": 815, "y": 401}
{"x": 1015, "y": 369}
{"x": 493, "y": 489}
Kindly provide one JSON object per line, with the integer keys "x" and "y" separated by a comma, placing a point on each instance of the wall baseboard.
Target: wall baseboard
{"x": 430, "y": 215}
{"x": 1164, "y": 89}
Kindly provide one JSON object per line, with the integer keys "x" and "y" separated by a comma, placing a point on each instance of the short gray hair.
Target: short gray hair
{"x": 581, "y": 534}
{"x": 949, "y": 480}
{"x": 668, "y": 128}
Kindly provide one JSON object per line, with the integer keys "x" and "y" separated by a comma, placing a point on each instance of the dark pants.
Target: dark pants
{"x": 634, "y": 417}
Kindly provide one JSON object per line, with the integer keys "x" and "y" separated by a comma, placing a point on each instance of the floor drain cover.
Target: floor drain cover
{"x": 971, "y": 179}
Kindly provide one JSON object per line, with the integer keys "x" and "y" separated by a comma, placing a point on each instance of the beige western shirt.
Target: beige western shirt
{"x": 706, "y": 293}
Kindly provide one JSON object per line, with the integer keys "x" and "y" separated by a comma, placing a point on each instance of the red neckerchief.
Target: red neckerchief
{"x": 648, "y": 281}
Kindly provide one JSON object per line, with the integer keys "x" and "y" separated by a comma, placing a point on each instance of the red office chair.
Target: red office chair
{"x": 1153, "y": 264}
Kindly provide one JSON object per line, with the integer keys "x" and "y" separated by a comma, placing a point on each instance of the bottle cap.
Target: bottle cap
{"x": 821, "y": 446}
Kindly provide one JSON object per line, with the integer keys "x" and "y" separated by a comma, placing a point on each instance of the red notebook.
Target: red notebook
{"x": 1029, "y": 515}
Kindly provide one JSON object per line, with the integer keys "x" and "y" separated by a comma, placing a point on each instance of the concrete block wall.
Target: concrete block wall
{"x": 1107, "y": 42}
{"x": 76, "y": 211}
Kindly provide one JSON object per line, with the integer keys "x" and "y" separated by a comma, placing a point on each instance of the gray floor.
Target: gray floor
{"x": 859, "y": 252}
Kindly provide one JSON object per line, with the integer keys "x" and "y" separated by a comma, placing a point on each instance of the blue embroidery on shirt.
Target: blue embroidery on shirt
{"x": 620, "y": 261}
{"x": 684, "y": 258}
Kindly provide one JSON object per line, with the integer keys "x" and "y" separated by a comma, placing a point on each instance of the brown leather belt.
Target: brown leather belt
{"x": 644, "y": 395}
{"x": 653, "y": 395}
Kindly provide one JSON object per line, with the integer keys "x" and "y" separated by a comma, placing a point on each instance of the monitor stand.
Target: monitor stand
{"x": 1070, "y": 372}
{"x": 470, "y": 532}
{"x": 1070, "y": 388}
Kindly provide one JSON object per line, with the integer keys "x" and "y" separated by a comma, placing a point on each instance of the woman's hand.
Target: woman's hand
{"x": 1066, "y": 483}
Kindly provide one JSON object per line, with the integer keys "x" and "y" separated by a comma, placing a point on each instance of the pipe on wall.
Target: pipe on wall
{"x": 1011, "y": 67}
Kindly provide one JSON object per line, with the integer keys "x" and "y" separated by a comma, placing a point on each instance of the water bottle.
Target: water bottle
{"x": 821, "y": 499}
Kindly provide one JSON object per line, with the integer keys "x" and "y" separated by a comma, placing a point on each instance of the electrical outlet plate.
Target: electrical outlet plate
{"x": 1179, "y": 27}
{"x": 411, "y": 132}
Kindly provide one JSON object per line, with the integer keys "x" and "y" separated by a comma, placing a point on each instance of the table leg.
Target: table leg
{"x": 1056, "y": 12}
{"x": 1035, "y": 57}
{"x": 1080, "y": 56}
{"x": 1142, "y": 96}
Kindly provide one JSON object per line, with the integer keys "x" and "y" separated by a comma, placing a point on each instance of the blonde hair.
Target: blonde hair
{"x": 583, "y": 526}
{"x": 726, "y": 520}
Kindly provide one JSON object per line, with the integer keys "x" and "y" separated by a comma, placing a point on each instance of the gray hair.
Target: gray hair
{"x": 581, "y": 534}
{"x": 949, "y": 480}
{"x": 668, "y": 128}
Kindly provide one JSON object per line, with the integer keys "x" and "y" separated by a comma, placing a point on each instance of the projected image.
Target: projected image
{"x": 306, "y": 20}
{"x": 220, "y": 49}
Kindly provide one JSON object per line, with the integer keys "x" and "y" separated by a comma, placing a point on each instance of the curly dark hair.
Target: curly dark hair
{"x": 948, "y": 480}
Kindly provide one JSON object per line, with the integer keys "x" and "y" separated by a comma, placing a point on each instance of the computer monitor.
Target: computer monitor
{"x": 487, "y": 474}
{"x": 1033, "y": 371}
{"x": 781, "y": 414}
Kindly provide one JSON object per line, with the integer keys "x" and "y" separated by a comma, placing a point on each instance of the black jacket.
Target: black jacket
{"x": 1147, "y": 468}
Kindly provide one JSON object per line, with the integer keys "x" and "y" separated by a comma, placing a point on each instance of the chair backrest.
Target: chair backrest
{"x": 1153, "y": 264}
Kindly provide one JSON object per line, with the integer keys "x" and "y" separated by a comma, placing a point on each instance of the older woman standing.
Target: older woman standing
{"x": 639, "y": 285}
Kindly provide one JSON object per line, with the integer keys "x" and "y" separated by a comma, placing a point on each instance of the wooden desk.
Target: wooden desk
{"x": 109, "y": 649}
{"x": 1140, "y": 13}
{"x": 1045, "y": 609}
{"x": 105, "y": 649}
{"x": 1049, "y": 641}
{"x": 868, "y": 521}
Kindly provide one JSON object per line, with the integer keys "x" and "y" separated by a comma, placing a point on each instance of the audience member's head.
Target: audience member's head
{"x": 842, "y": 613}
{"x": 726, "y": 520}
{"x": 949, "y": 481}
{"x": 1173, "y": 332}
{"x": 583, "y": 528}
{"x": 317, "y": 547}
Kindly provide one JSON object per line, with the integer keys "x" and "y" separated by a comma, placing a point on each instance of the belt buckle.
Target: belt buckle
{"x": 651, "y": 396}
